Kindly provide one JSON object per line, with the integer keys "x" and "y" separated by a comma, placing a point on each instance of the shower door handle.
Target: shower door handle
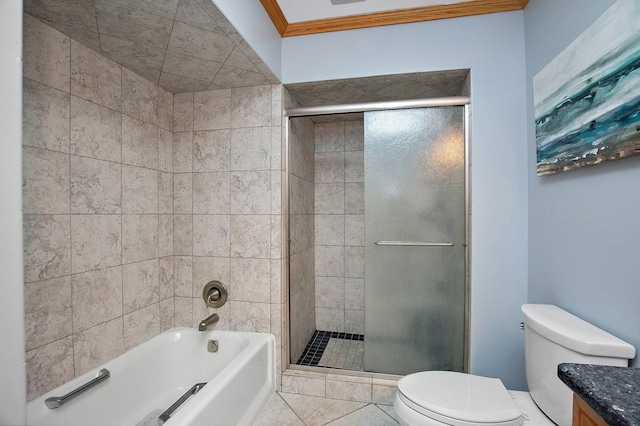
{"x": 414, "y": 243}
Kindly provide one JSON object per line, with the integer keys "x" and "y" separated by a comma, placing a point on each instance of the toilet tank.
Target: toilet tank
{"x": 554, "y": 336}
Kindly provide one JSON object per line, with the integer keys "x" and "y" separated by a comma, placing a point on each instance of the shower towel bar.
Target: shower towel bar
{"x": 57, "y": 401}
{"x": 414, "y": 244}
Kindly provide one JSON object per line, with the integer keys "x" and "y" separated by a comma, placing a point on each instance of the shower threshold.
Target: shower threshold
{"x": 331, "y": 349}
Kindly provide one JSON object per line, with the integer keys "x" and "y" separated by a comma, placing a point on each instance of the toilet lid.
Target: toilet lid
{"x": 459, "y": 396}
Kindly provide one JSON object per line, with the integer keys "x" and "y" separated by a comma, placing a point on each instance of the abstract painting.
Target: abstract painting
{"x": 587, "y": 99}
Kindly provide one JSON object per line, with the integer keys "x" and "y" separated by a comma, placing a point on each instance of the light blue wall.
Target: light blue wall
{"x": 583, "y": 225}
{"x": 492, "y": 46}
{"x": 13, "y": 392}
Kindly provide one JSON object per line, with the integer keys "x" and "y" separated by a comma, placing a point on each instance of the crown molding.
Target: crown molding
{"x": 404, "y": 16}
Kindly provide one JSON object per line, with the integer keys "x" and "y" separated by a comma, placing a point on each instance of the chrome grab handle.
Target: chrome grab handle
{"x": 57, "y": 401}
{"x": 167, "y": 414}
{"x": 414, "y": 244}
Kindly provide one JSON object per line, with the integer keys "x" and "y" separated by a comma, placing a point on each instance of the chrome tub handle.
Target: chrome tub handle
{"x": 57, "y": 401}
{"x": 167, "y": 414}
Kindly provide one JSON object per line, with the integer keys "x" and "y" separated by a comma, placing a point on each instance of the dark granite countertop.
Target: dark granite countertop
{"x": 613, "y": 392}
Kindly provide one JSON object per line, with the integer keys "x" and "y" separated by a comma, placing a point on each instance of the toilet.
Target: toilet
{"x": 552, "y": 336}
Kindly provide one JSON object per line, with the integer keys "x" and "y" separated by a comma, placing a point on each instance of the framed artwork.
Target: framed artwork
{"x": 587, "y": 99}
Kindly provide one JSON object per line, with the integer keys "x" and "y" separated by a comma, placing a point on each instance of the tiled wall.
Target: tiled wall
{"x": 301, "y": 219}
{"x": 97, "y": 202}
{"x": 227, "y": 203}
{"x": 339, "y": 226}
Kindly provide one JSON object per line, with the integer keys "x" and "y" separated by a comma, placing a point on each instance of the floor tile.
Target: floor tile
{"x": 278, "y": 413}
{"x": 370, "y": 415}
{"x": 316, "y": 411}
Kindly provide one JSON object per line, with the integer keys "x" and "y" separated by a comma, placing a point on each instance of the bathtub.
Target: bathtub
{"x": 149, "y": 378}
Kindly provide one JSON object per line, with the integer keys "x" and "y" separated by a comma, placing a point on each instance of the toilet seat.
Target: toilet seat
{"x": 459, "y": 399}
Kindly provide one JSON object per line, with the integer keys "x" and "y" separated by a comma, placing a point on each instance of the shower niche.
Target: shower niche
{"x": 377, "y": 221}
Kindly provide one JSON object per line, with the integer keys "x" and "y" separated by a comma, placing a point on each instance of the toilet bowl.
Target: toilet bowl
{"x": 437, "y": 398}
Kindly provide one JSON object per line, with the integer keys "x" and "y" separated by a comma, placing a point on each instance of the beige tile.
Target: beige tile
{"x": 250, "y": 192}
{"x": 329, "y": 167}
{"x": 47, "y": 311}
{"x": 190, "y": 66}
{"x": 329, "y": 137}
{"x": 354, "y": 230}
{"x": 369, "y": 415}
{"x": 183, "y": 193}
{"x": 165, "y": 150}
{"x": 165, "y": 193}
{"x": 183, "y": 152}
{"x": 190, "y": 13}
{"x": 354, "y": 198}
{"x": 207, "y": 269}
{"x": 166, "y": 8}
{"x": 211, "y": 151}
{"x": 165, "y": 277}
{"x": 330, "y": 292}
{"x": 251, "y": 106}
{"x": 142, "y": 59}
{"x": 354, "y": 321}
{"x": 277, "y": 266}
{"x": 167, "y": 314}
{"x": 354, "y": 136}
{"x": 141, "y": 325}
{"x": 45, "y": 181}
{"x": 46, "y": 54}
{"x": 48, "y": 367}
{"x": 302, "y": 196}
{"x": 319, "y": 411}
{"x": 139, "y": 97}
{"x": 278, "y": 412}
{"x": 354, "y": 293}
{"x": 139, "y": 190}
{"x": 181, "y": 84}
{"x": 164, "y": 112}
{"x": 183, "y": 112}
{"x": 383, "y": 391}
{"x": 133, "y": 25}
{"x": 250, "y": 236}
{"x": 182, "y": 234}
{"x": 330, "y": 230}
{"x": 96, "y": 242}
{"x": 165, "y": 235}
{"x": 237, "y": 59}
{"x": 97, "y": 345}
{"x": 354, "y": 262}
{"x": 349, "y": 388}
{"x": 277, "y": 177}
{"x": 198, "y": 42}
{"x": 97, "y": 297}
{"x": 94, "y": 77}
{"x": 47, "y": 246}
{"x": 211, "y": 110}
{"x": 231, "y": 78}
{"x": 140, "y": 285}
{"x": 95, "y": 130}
{"x": 250, "y": 148}
{"x": 139, "y": 143}
{"x": 183, "y": 311}
{"x": 330, "y": 261}
{"x": 139, "y": 237}
{"x": 388, "y": 409}
{"x": 211, "y": 193}
{"x": 183, "y": 273}
{"x": 250, "y": 316}
{"x": 330, "y": 198}
{"x": 211, "y": 235}
{"x": 95, "y": 186}
{"x": 249, "y": 279}
{"x": 276, "y": 236}
{"x": 276, "y": 324}
{"x": 45, "y": 115}
{"x": 354, "y": 166}
{"x": 330, "y": 319}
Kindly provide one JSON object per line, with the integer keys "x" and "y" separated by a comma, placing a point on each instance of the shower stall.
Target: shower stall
{"x": 378, "y": 228}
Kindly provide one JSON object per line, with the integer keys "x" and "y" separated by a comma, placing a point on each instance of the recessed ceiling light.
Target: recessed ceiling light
{"x": 337, "y": 2}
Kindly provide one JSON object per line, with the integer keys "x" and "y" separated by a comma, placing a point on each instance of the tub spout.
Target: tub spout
{"x": 205, "y": 323}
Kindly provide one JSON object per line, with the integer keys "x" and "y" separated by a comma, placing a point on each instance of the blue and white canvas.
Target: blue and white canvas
{"x": 587, "y": 99}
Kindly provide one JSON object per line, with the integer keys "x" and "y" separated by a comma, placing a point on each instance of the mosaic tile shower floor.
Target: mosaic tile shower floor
{"x": 331, "y": 349}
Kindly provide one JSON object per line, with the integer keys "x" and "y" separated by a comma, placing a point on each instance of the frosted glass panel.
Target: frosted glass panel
{"x": 414, "y": 194}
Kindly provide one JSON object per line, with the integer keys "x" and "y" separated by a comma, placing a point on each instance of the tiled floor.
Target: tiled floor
{"x": 334, "y": 350}
{"x": 288, "y": 409}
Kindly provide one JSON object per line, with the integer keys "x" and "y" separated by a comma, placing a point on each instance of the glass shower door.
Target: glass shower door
{"x": 415, "y": 240}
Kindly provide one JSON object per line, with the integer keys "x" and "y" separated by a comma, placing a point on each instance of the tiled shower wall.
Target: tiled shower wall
{"x": 301, "y": 222}
{"x": 227, "y": 204}
{"x": 339, "y": 226}
{"x": 97, "y": 205}
{"x": 104, "y": 173}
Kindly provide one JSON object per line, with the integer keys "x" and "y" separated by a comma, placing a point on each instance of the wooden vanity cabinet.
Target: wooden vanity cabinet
{"x": 583, "y": 415}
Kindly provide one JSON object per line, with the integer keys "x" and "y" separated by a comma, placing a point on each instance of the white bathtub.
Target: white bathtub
{"x": 151, "y": 377}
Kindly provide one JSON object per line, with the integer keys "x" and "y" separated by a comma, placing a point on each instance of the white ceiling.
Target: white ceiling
{"x": 309, "y": 10}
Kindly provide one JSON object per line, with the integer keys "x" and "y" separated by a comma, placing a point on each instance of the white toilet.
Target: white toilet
{"x": 552, "y": 337}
